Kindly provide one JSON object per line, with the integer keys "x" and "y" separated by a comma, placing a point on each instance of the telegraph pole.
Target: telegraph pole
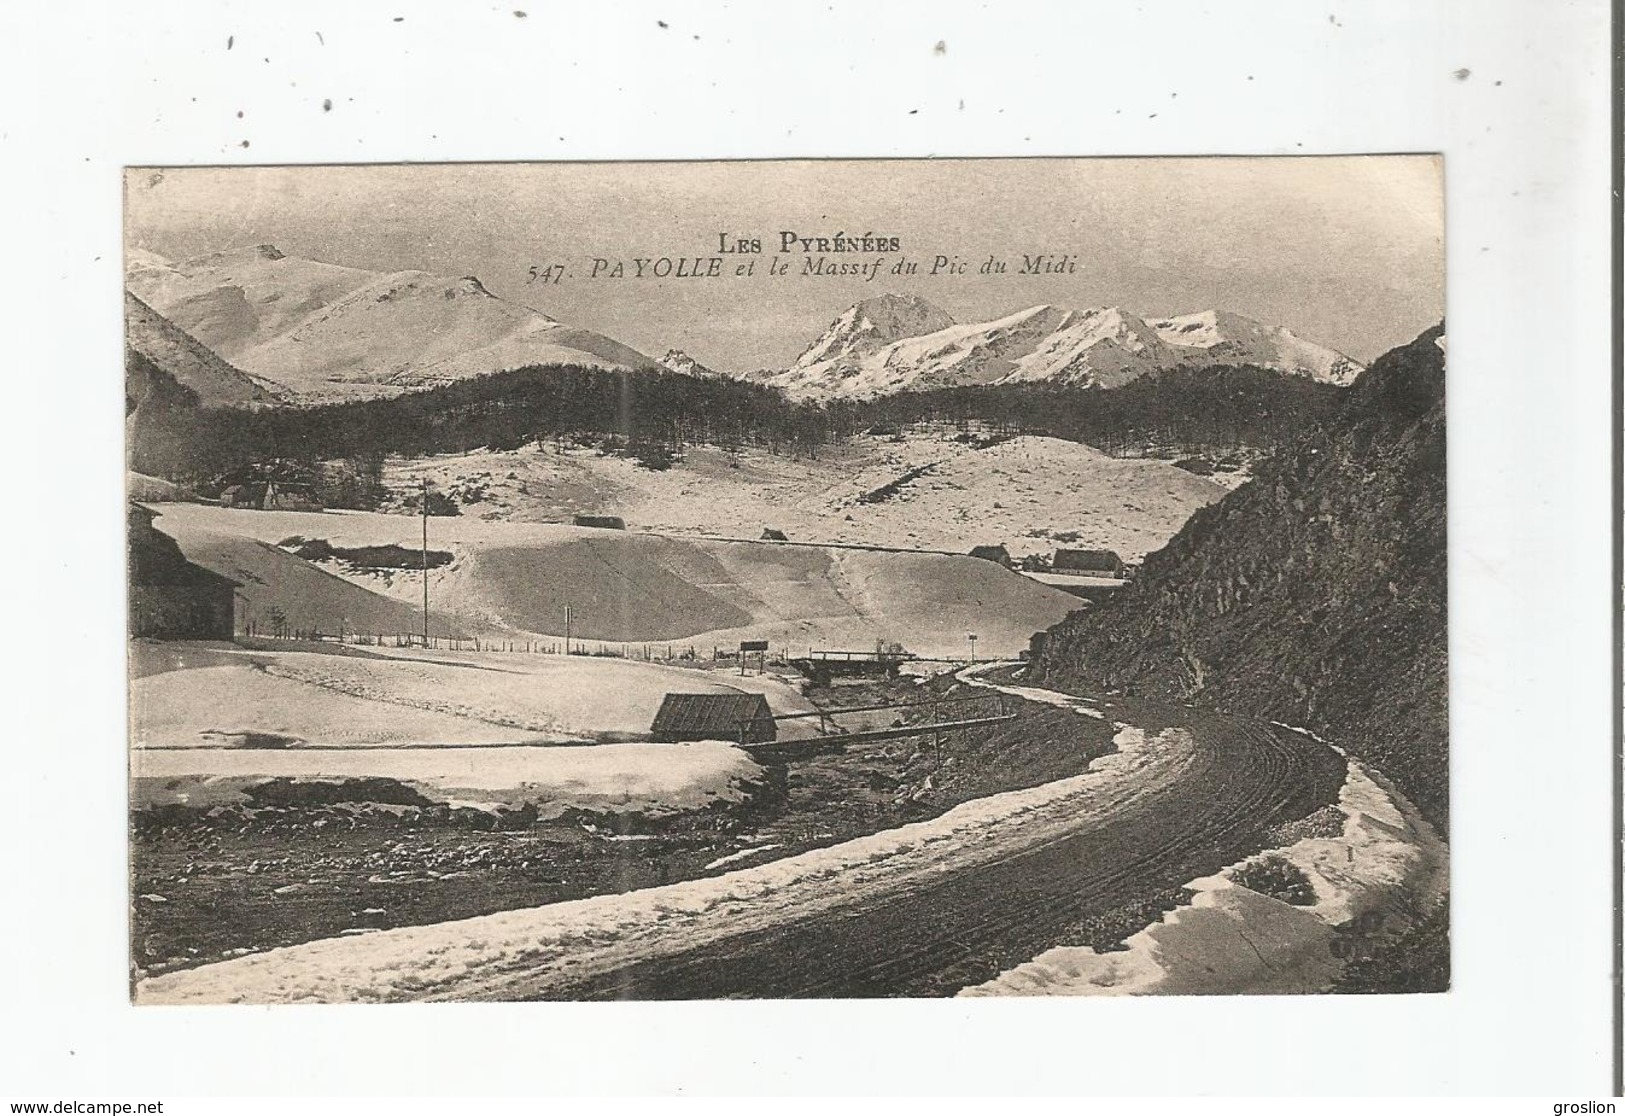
{"x": 567, "y": 619}
{"x": 425, "y": 561}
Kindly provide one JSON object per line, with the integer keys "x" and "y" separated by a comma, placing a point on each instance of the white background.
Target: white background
{"x": 91, "y": 88}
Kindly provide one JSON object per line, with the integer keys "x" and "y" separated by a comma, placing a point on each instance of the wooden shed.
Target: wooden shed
{"x": 745, "y": 718}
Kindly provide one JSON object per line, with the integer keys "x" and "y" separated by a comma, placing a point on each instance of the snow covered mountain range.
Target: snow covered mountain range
{"x": 291, "y": 330}
{"x": 319, "y": 332}
{"x": 898, "y": 343}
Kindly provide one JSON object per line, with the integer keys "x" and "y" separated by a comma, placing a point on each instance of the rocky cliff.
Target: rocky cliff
{"x": 1315, "y": 594}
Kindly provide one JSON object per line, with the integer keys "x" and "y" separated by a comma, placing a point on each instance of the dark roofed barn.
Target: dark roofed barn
{"x": 1096, "y": 563}
{"x": 742, "y": 717}
{"x": 171, "y": 598}
{"x": 604, "y": 522}
{"x": 992, "y": 554}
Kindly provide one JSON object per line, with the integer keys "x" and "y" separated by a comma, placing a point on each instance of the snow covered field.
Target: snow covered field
{"x": 624, "y": 587}
{"x": 1021, "y": 493}
{"x": 649, "y": 778}
{"x": 191, "y": 696}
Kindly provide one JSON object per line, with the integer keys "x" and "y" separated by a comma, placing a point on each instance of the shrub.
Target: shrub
{"x": 1276, "y": 877}
{"x": 1417, "y": 959}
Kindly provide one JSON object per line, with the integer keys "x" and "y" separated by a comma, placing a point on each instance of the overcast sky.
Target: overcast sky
{"x": 1345, "y": 251}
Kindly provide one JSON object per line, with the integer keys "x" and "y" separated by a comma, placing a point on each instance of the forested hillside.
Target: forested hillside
{"x": 1187, "y": 410}
{"x": 654, "y": 414}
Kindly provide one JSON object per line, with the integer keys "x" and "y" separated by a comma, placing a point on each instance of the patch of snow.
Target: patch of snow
{"x": 1231, "y": 940}
{"x": 635, "y": 777}
{"x": 491, "y": 956}
{"x": 740, "y": 855}
{"x": 1080, "y": 705}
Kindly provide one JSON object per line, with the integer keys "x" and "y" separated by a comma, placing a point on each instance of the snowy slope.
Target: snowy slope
{"x": 681, "y": 363}
{"x": 190, "y": 363}
{"x": 1233, "y": 339}
{"x": 870, "y": 325}
{"x": 321, "y": 331}
{"x": 868, "y": 352}
{"x": 553, "y": 945}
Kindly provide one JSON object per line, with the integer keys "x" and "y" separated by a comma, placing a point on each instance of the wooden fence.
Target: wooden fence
{"x": 648, "y": 652}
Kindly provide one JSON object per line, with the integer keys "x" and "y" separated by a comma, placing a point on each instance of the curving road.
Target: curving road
{"x": 965, "y": 925}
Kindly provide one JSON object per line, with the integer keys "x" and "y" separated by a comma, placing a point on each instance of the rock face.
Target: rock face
{"x": 1315, "y": 595}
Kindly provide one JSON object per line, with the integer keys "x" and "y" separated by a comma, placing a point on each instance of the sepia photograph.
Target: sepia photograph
{"x": 787, "y": 579}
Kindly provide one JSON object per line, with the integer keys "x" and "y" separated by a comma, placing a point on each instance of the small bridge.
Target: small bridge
{"x": 941, "y": 715}
{"x": 822, "y": 667}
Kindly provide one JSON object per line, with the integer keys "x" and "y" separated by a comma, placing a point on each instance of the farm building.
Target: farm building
{"x": 1094, "y": 563}
{"x": 171, "y": 598}
{"x": 773, "y": 534}
{"x": 992, "y": 554}
{"x": 608, "y": 522}
{"x": 290, "y": 496}
{"x": 742, "y": 717}
{"x": 271, "y": 496}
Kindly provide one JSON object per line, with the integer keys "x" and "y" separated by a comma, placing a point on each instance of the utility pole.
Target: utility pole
{"x": 425, "y": 561}
{"x": 567, "y": 618}
{"x": 972, "y": 637}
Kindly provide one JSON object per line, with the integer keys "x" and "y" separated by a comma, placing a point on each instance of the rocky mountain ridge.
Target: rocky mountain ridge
{"x": 894, "y": 343}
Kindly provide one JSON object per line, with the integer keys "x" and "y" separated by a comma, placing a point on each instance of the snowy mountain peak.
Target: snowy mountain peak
{"x": 470, "y": 285}
{"x": 866, "y": 352}
{"x": 317, "y": 332}
{"x": 871, "y": 324}
{"x": 250, "y": 254}
{"x": 1229, "y": 338}
{"x": 681, "y": 363}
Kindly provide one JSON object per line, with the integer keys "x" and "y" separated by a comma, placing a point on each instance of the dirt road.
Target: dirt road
{"x": 962, "y": 927}
{"x": 924, "y": 909}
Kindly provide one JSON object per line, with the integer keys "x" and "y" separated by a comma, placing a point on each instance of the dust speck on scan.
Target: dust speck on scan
{"x": 768, "y": 587}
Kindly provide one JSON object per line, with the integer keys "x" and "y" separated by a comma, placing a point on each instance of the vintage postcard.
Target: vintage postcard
{"x": 792, "y": 579}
